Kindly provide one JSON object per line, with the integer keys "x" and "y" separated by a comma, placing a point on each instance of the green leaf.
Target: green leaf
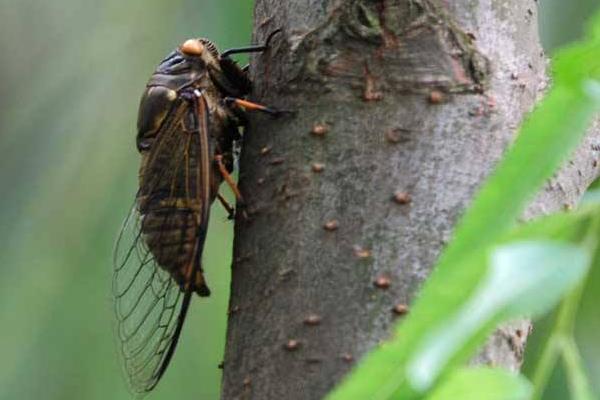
{"x": 545, "y": 140}
{"x": 483, "y": 384}
{"x": 578, "y": 381}
{"x": 559, "y": 339}
{"x": 524, "y": 279}
{"x": 591, "y": 196}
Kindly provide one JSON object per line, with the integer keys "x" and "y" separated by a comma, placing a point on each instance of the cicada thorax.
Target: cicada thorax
{"x": 177, "y": 179}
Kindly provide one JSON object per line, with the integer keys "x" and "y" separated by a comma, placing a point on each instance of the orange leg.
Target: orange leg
{"x": 227, "y": 177}
{"x": 250, "y": 106}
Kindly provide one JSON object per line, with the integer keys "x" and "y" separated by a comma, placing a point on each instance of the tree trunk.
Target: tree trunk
{"x": 402, "y": 108}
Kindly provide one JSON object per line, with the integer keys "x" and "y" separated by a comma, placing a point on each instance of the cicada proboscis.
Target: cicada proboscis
{"x": 188, "y": 121}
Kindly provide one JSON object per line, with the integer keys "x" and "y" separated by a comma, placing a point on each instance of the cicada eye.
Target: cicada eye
{"x": 192, "y": 47}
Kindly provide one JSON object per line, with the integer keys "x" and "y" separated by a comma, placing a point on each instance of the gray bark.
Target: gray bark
{"x": 415, "y": 97}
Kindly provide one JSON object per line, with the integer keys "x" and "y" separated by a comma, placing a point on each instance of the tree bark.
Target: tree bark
{"x": 402, "y": 109}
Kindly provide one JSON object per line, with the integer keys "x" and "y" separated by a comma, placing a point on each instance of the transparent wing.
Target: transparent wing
{"x": 150, "y": 305}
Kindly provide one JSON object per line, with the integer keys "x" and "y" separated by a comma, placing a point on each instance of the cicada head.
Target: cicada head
{"x": 186, "y": 65}
{"x": 225, "y": 73}
{"x": 200, "y": 50}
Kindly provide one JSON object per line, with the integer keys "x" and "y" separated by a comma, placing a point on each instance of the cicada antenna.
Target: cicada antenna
{"x": 251, "y": 49}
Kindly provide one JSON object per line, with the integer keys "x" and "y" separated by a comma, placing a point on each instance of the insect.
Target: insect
{"x": 188, "y": 121}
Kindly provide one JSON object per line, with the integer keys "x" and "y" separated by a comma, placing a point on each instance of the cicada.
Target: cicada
{"x": 188, "y": 123}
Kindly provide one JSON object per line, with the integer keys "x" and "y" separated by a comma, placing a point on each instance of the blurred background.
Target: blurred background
{"x": 71, "y": 75}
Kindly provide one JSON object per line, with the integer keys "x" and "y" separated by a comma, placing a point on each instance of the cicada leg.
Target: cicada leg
{"x": 251, "y": 49}
{"x": 230, "y": 210}
{"x": 231, "y": 183}
{"x": 250, "y": 106}
{"x": 228, "y": 178}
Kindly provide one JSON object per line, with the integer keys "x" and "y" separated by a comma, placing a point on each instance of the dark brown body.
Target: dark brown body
{"x": 188, "y": 121}
{"x": 174, "y": 196}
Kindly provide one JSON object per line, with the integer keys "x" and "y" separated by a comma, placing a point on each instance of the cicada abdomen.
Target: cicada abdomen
{"x": 188, "y": 121}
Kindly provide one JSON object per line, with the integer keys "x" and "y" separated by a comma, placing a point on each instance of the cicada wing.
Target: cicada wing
{"x": 150, "y": 304}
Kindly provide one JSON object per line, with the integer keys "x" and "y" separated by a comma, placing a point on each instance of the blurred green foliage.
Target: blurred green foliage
{"x": 493, "y": 271}
{"x": 562, "y": 22}
{"x": 72, "y": 73}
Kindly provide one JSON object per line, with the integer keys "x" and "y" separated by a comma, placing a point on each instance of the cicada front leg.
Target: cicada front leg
{"x": 236, "y": 103}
